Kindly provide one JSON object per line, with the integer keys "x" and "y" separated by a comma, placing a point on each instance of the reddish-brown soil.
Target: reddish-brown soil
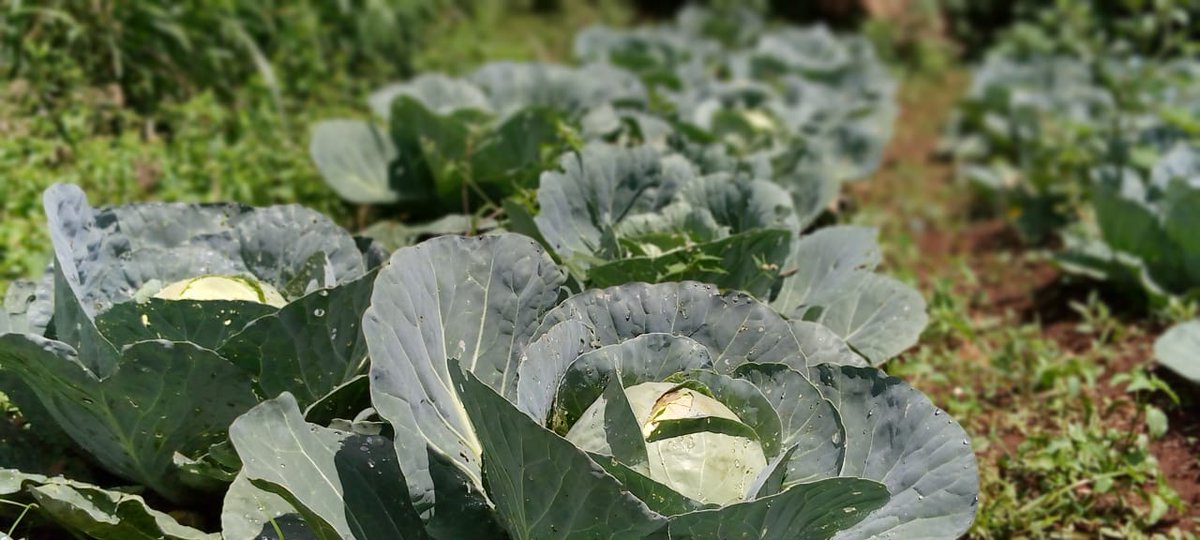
{"x": 1176, "y": 453}
{"x": 1031, "y": 288}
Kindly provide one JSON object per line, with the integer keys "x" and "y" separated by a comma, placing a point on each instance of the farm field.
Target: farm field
{"x": 591, "y": 269}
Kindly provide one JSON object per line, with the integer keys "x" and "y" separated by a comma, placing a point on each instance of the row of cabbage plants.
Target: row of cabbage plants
{"x": 664, "y": 353}
{"x": 1102, "y": 157}
{"x": 804, "y": 109}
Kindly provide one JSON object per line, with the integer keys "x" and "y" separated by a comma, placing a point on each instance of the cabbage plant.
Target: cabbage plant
{"x": 669, "y": 410}
{"x": 776, "y": 94}
{"x": 1011, "y": 100}
{"x": 1141, "y": 235}
{"x": 664, "y": 56}
{"x": 1025, "y": 134}
{"x": 614, "y": 215}
{"x": 744, "y": 126}
{"x": 1141, "y": 238}
{"x": 444, "y": 138}
{"x": 159, "y": 323}
{"x": 634, "y": 214}
{"x": 834, "y": 90}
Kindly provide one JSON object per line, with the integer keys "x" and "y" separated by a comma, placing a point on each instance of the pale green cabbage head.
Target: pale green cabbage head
{"x": 222, "y": 287}
{"x": 707, "y": 466}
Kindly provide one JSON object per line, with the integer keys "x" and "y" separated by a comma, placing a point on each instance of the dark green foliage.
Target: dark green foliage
{"x": 155, "y": 49}
{"x": 1070, "y": 26}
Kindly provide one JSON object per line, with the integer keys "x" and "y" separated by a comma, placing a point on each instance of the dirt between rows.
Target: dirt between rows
{"x": 1037, "y": 292}
{"x": 1030, "y": 288}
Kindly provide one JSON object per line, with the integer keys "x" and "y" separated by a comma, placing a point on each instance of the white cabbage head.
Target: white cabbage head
{"x": 220, "y": 287}
{"x": 706, "y": 466}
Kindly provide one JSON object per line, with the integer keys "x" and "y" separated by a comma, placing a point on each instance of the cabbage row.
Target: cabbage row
{"x": 456, "y": 389}
{"x": 1103, "y": 155}
{"x": 667, "y": 155}
{"x": 1035, "y": 131}
{"x": 648, "y": 343}
{"x": 804, "y": 109}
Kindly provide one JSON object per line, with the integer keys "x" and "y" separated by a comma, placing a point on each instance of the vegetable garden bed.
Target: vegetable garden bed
{"x": 712, "y": 277}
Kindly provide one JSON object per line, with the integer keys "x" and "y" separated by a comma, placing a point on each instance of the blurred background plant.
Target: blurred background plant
{"x": 155, "y": 51}
{"x": 1147, "y": 27}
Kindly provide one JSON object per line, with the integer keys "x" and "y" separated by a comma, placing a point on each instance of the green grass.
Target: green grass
{"x": 461, "y": 42}
{"x": 212, "y": 152}
{"x": 1062, "y": 450}
{"x": 158, "y": 51}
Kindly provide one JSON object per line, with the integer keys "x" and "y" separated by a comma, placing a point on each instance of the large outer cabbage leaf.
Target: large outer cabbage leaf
{"x": 474, "y": 300}
{"x": 833, "y": 281}
{"x": 90, "y": 510}
{"x": 347, "y": 485}
{"x": 735, "y": 327}
{"x": 1178, "y": 350}
{"x": 806, "y": 511}
{"x": 896, "y": 436}
{"x": 355, "y": 158}
{"x": 251, "y": 512}
{"x": 544, "y": 486}
{"x": 165, "y": 397}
